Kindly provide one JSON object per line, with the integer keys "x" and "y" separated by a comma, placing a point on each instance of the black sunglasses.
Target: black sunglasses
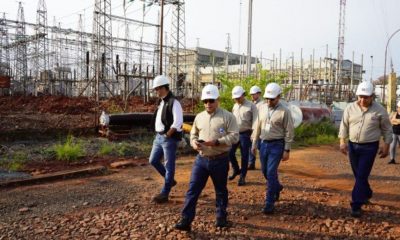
{"x": 208, "y": 101}
{"x": 271, "y": 99}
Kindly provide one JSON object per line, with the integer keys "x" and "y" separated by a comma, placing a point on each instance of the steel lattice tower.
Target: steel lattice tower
{"x": 4, "y": 50}
{"x": 21, "y": 62}
{"x": 178, "y": 50}
{"x": 41, "y": 61}
{"x": 340, "y": 42}
{"x": 80, "y": 52}
{"x": 102, "y": 51}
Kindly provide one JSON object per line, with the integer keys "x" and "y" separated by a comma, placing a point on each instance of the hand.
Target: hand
{"x": 197, "y": 146}
{"x": 285, "y": 156}
{"x": 210, "y": 143}
{"x": 343, "y": 148}
{"x": 253, "y": 150}
{"x": 383, "y": 151}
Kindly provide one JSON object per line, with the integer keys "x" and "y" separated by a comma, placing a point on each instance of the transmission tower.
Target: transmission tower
{"x": 340, "y": 54}
{"x": 21, "y": 61}
{"x": 178, "y": 50}
{"x": 4, "y": 51}
{"x": 227, "y": 52}
{"x": 41, "y": 61}
{"x": 102, "y": 51}
{"x": 81, "y": 51}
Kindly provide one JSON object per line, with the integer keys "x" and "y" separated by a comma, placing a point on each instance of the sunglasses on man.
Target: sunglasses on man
{"x": 205, "y": 101}
{"x": 271, "y": 99}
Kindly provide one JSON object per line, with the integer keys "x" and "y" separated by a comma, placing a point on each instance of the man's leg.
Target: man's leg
{"x": 393, "y": 146}
{"x": 169, "y": 148}
{"x": 218, "y": 172}
{"x": 245, "y": 144}
{"x": 156, "y": 155}
{"x": 234, "y": 162}
{"x": 275, "y": 153}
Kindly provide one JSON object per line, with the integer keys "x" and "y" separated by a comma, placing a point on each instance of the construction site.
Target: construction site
{"x": 88, "y": 86}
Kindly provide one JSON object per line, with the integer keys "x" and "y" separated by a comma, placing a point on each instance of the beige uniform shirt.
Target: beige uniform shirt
{"x": 276, "y": 123}
{"x": 245, "y": 114}
{"x": 365, "y": 127}
{"x": 258, "y": 103}
{"x": 219, "y": 125}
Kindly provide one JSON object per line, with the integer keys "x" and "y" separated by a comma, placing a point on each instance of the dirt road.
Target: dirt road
{"x": 314, "y": 204}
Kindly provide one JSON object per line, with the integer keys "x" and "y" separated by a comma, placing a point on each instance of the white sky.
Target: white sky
{"x": 286, "y": 24}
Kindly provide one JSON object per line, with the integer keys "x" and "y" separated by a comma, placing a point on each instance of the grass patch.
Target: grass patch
{"x": 70, "y": 151}
{"x": 323, "y": 132}
{"x": 106, "y": 149}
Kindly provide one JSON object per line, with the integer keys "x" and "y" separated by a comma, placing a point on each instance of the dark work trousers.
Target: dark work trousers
{"x": 362, "y": 157}
{"x": 252, "y": 157}
{"x": 270, "y": 156}
{"x": 203, "y": 168}
{"x": 245, "y": 144}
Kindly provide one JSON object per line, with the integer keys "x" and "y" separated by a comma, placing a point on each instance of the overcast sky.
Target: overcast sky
{"x": 277, "y": 24}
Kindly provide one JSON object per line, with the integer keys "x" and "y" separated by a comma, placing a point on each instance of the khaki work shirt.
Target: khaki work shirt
{"x": 258, "y": 103}
{"x": 365, "y": 127}
{"x": 220, "y": 125}
{"x": 245, "y": 114}
{"x": 280, "y": 125}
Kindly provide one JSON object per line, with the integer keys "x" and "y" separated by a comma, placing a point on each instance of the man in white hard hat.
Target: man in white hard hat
{"x": 168, "y": 120}
{"x": 213, "y": 132}
{"x": 363, "y": 123}
{"x": 255, "y": 92}
{"x": 245, "y": 113}
{"x": 395, "y": 120}
{"x": 275, "y": 130}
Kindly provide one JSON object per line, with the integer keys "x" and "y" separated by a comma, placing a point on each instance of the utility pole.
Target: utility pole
{"x": 161, "y": 36}
{"x": 249, "y": 29}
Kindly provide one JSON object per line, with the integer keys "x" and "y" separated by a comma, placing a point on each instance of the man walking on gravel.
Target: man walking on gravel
{"x": 275, "y": 130}
{"x": 395, "y": 120}
{"x": 363, "y": 123}
{"x": 168, "y": 120}
{"x": 245, "y": 113}
{"x": 213, "y": 132}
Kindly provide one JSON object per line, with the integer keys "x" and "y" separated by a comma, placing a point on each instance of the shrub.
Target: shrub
{"x": 323, "y": 132}
{"x": 70, "y": 150}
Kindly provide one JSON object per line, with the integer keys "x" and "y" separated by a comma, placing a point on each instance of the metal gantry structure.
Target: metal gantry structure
{"x": 52, "y": 59}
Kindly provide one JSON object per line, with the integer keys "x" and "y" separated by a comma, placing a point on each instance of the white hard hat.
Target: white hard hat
{"x": 365, "y": 89}
{"x": 210, "y": 92}
{"x": 272, "y": 90}
{"x": 237, "y": 92}
{"x": 160, "y": 80}
{"x": 398, "y": 104}
{"x": 255, "y": 89}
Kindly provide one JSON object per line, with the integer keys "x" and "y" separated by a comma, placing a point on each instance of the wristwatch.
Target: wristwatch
{"x": 287, "y": 150}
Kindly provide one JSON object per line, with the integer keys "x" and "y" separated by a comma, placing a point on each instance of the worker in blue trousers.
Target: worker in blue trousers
{"x": 255, "y": 93}
{"x": 167, "y": 123}
{"x": 275, "y": 130}
{"x": 245, "y": 113}
{"x": 363, "y": 124}
{"x": 213, "y": 133}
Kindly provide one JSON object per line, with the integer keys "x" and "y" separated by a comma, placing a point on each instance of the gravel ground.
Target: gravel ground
{"x": 314, "y": 205}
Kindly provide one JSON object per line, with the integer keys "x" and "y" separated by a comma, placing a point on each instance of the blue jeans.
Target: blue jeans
{"x": 245, "y": 145}
{"x": 362, "y": 157}
{"x": 270, "y": 155}
{"x": 252, "y": 157}
{"x": 217, "y": 169}
{"x": 164, "y": 147}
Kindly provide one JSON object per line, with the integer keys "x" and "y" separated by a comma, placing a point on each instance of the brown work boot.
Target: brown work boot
{"x": 160, "y": 198}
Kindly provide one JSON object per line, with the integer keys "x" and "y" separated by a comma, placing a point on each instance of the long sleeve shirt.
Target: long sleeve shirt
{"x": 177, "y": 113}
{"x": 220, "y": 125}
{"x": 274, "y": 123}
{"x": 365, "y": 126}
{"x": 245, "y": 114}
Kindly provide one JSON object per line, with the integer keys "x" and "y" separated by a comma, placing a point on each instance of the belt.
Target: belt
{"x": 247, "y": 131}
{"x": 273, "y": 140}
{"x": 364, "y": 143}
{"x": 161, "y": 133}
{"x": 222, "y": 155}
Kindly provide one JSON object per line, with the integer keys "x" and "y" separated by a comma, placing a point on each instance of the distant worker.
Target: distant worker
{"x": 395, "y": 120}
{"x": 363, "y": 123}
{"x": 255, "y": 92}
{"x": 276, "y": 132}
{"x": 213, "y": 132}
{"x": 245, "y": 113}
{"x": 168, "y": 120}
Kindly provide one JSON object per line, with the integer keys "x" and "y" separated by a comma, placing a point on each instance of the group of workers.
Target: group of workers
{"x": 263, "y": 125}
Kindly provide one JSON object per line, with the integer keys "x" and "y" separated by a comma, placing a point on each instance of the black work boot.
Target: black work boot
{"x": 234, "y": 174}
{"x": 392, "y": 161}
{"x": 242, "y": 181}
{"x": 268, "y": 209}
{"x": 160, "y": 198}
{"x": 221, "y": 222}
{"x": 184, "y": 225}
{"x": 356, "y": 212}
{"x": 252, "y": 166}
